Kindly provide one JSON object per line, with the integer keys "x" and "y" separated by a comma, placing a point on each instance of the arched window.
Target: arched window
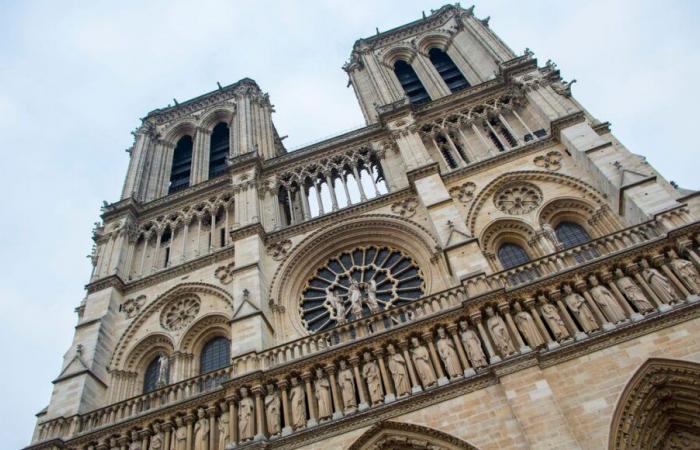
{"x": 410, "y": 82}
{"x": 215, "y": 355}
{"x": 448, "y": 70}
{"x": 182, "y": 165}
{"x": 571, "y": 234}
{"x": 150, "y": 378}
{"x": 218, "y": 150}
{"x": 511, "y": 255}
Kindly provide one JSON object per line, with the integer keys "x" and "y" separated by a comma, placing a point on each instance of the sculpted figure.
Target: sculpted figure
{"x": 685, "y": 271}
{"x": 633, "y": 292}
{"x": 659, "y": 283}
{"x": 337, "y": 304}
{"x": 322, "y": 390}
{"x": 607, "y": 302}
{"x": 446, "y": 350}
{"x": 372, "y": 296}
{"x": 297, "y": 404}
{"x": 223, "y": 426}
{"x": 355, "y": 296}
{"x": 246, "y": 424}
{"x": 201, "y": 431}
{"x": 551, "y": 315}
{"x": 370, "y": 372}
{"x": 272, "y": 411}
{"x": 163, "y": 366}
{"x": 551, "y": 236}
{"x": 399, "y": 373}
{"x": 526, "y": 325}
{"x": 421, "y": 359}
{"x": 472, "y": 344}
{"x": 499, "y": 332}
{"x": 346, "y": 383}
{"x": 135, "y": 441}
{"x": 180, "y": 438}
{"x": 577, "y": 305}
{"x": 156, "y": 441}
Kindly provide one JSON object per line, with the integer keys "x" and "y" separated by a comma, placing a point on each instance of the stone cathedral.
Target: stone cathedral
{"x": 483, "y": 265}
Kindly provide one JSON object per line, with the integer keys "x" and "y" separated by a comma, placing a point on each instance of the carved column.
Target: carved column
{"x": 454, "y": 334}
{"x": 259, "y": 413}
{"x": 337, "y": 408}
{"x": 675, "y": 281}
{"x": 437, "y": 364}
{"x": 310, "y": 400}
{"x": 212, "y": 427}
{"x": 476, "y": 318}
{"x": 530, "y": 306}
{"x": 555, "y": 295}
{"x": 189, "y": 422}
{"x": 282, "y": 384}
{"x": 390, "y": 395}
{"x": 504, "y": 309}
{"x": 581, "y": 287}
{"x": 415, "y": 385}
{"x": 607, "y": 278}
{"x": 354, "y": 362}
{"x": 168, "y": 429}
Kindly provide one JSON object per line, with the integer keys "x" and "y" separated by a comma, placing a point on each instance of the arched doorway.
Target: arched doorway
{"x": 659, "y": 408}
{"x": 406, "y": 436}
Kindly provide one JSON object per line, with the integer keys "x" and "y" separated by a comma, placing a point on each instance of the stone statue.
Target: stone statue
{"x": 577, "y": 304}
{"x": 448, "y": 354}
{"x": 633, "y": 292}
{"x": 180, "y": 438}
{"x": 297, "y": 404}
{"x": 346, "y": 383}
{"x": 355, "y": 299}
{"x": 272, "y": 411}
{"x": 163, "y": 369}
{"x": 659, "y": 283}
{"x": 372, "y": 296}
{"x": 607, "y": 302}
{"x": 472, "y": 344}
{"x": 246, "y": 420}
{"x": 421, "y": 359}
{"x": 322, "y": 390}
{"x": 499, "y": 332}
{"x": 551, "y": 236}
{"x": 399, "y": 373}
{"x": 201, "y": 431}
{"x": 135, "y": 441}
{"x": 337, "y": 304}
{"x": 223, "y": 425}
{"x": 370, "y": 372}
{"x": 156, "y": 441}
{"x": 685, "y": 271}
{"x": 551, "y": 315}
{"x": 526, "y": 325}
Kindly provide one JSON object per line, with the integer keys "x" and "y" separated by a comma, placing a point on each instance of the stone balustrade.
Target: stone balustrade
{"x": 409, "y": 352}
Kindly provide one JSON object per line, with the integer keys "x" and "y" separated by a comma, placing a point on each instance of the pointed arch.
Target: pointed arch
{"x": 660, "y": 404}
{"x": 390, "y": 435}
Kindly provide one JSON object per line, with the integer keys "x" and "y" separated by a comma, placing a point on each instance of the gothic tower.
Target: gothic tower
{"x": 483, "y": 265}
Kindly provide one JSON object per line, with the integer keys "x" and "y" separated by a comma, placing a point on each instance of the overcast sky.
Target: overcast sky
{"x": 75, "y": 77}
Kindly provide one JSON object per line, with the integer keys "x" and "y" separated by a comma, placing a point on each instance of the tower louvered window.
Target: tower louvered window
{"x": 218, "y": 150}
{"x": 182, "y": 165}
{"x": 447, "y": 69}
{"x": 410, "y": 82}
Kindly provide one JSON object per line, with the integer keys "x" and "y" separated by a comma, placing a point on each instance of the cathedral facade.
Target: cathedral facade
{"x": 483, "y": 265}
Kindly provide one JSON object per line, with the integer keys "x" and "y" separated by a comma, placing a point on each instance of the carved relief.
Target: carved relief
{"x": 179, "y": 313}
{"x": 132, "y": 306}
{"x": 518, "y": 199}
{"x": 405, "y": 208}
{"x": 550, "y": 161}
{"x": 225, "y": 273}
{"x": 463, "y": 193}
{"x": 279, "y": 250}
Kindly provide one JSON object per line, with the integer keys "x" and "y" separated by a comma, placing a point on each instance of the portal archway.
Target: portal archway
{"x": 407, "y": 436}
{"x": 659, "y": 408}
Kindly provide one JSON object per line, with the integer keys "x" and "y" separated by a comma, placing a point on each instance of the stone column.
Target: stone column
{"x": 415, "y": 385}
{"x": 337, "y": 408}
{"x": 454, "y": 334}
{"x": 493, "y": 356}
{"x": 504, "y": 309}
{"x": 359, "y": 382}
{"x": 389, "y": 395}
{"x": 212, "y": 427}
{"x": 310, "y": 400}
{"x": 259, "y": 413}
{"x": 442, "y": 379}
{"x": 282, "y": 384}
{"x": 189, "y": 421}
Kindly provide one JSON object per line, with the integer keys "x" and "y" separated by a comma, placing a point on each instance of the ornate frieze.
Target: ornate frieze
{"x": 405, "y": 208}
{"x": 518, "y": 199}
{"x": 132, "y": 306}
{"x": 550, "y": 161}
{"x": 279, "y": 249}
{"x": 463, "y": 193}
{"x": 180, "y": 312}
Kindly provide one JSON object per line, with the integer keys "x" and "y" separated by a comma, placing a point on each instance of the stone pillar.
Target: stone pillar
{"x": 359, "y": 382}
{"x": 282, "y": 384}
{"x": 310, "y": 400}
{"x": 454, "y": 334}
{"x": 259, "y": 413}
{"x": 415, "y": 384}
{"x": 442, "y": 379}
{"x": 337, "y": 408}
{"x": 389, "y": 395}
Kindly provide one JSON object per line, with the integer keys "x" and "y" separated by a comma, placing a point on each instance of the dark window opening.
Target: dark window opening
{"x": 447, "y": 69}
{"x": 504, "y": 131}
{"x": 215, "y": 355}
{"x": 167, "y": 257}
{"x": 511, "y": 255}
{"x": 443, "y": 146}
{"x": 218, "y": 150}
{"x": 150, "y": 378}
{"x": 410, "y": 83}
{"x": 496, "y": 141}
{"x": 459, "y": 148}
{"x": 223, "y": 237}
{"x": 571, "y": 234}
{"x": 182, "y": 165}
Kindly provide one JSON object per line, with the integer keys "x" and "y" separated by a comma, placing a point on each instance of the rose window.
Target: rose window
{"x": 520, "y": 199}
{"x": 179, "y": 313}
{"x": 358, "y": 283}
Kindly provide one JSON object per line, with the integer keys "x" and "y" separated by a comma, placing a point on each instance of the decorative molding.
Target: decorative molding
{"x": 405, "y": 208}
{"x": 225, "y": 273}
{"x": 180, "y": 312}
{"x": 132, "y": 306}
{"x": 518, "y": 198}
{"x": 550, "y": 161}
{"x": 463, "y": 193}
{"x": 278, "y": 250}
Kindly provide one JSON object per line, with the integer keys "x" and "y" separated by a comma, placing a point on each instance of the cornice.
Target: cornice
{"x": 110, "y": 281}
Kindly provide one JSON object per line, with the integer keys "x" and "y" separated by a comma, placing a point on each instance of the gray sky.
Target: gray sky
{"x": 75, "y": 77}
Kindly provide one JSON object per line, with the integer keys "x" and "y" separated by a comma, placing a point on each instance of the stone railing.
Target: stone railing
{"x": 445, "y": 341}
{"x": 599, "y": 248}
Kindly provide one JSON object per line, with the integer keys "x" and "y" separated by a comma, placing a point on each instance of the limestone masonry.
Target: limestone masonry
{"x": 483, "y": 265}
